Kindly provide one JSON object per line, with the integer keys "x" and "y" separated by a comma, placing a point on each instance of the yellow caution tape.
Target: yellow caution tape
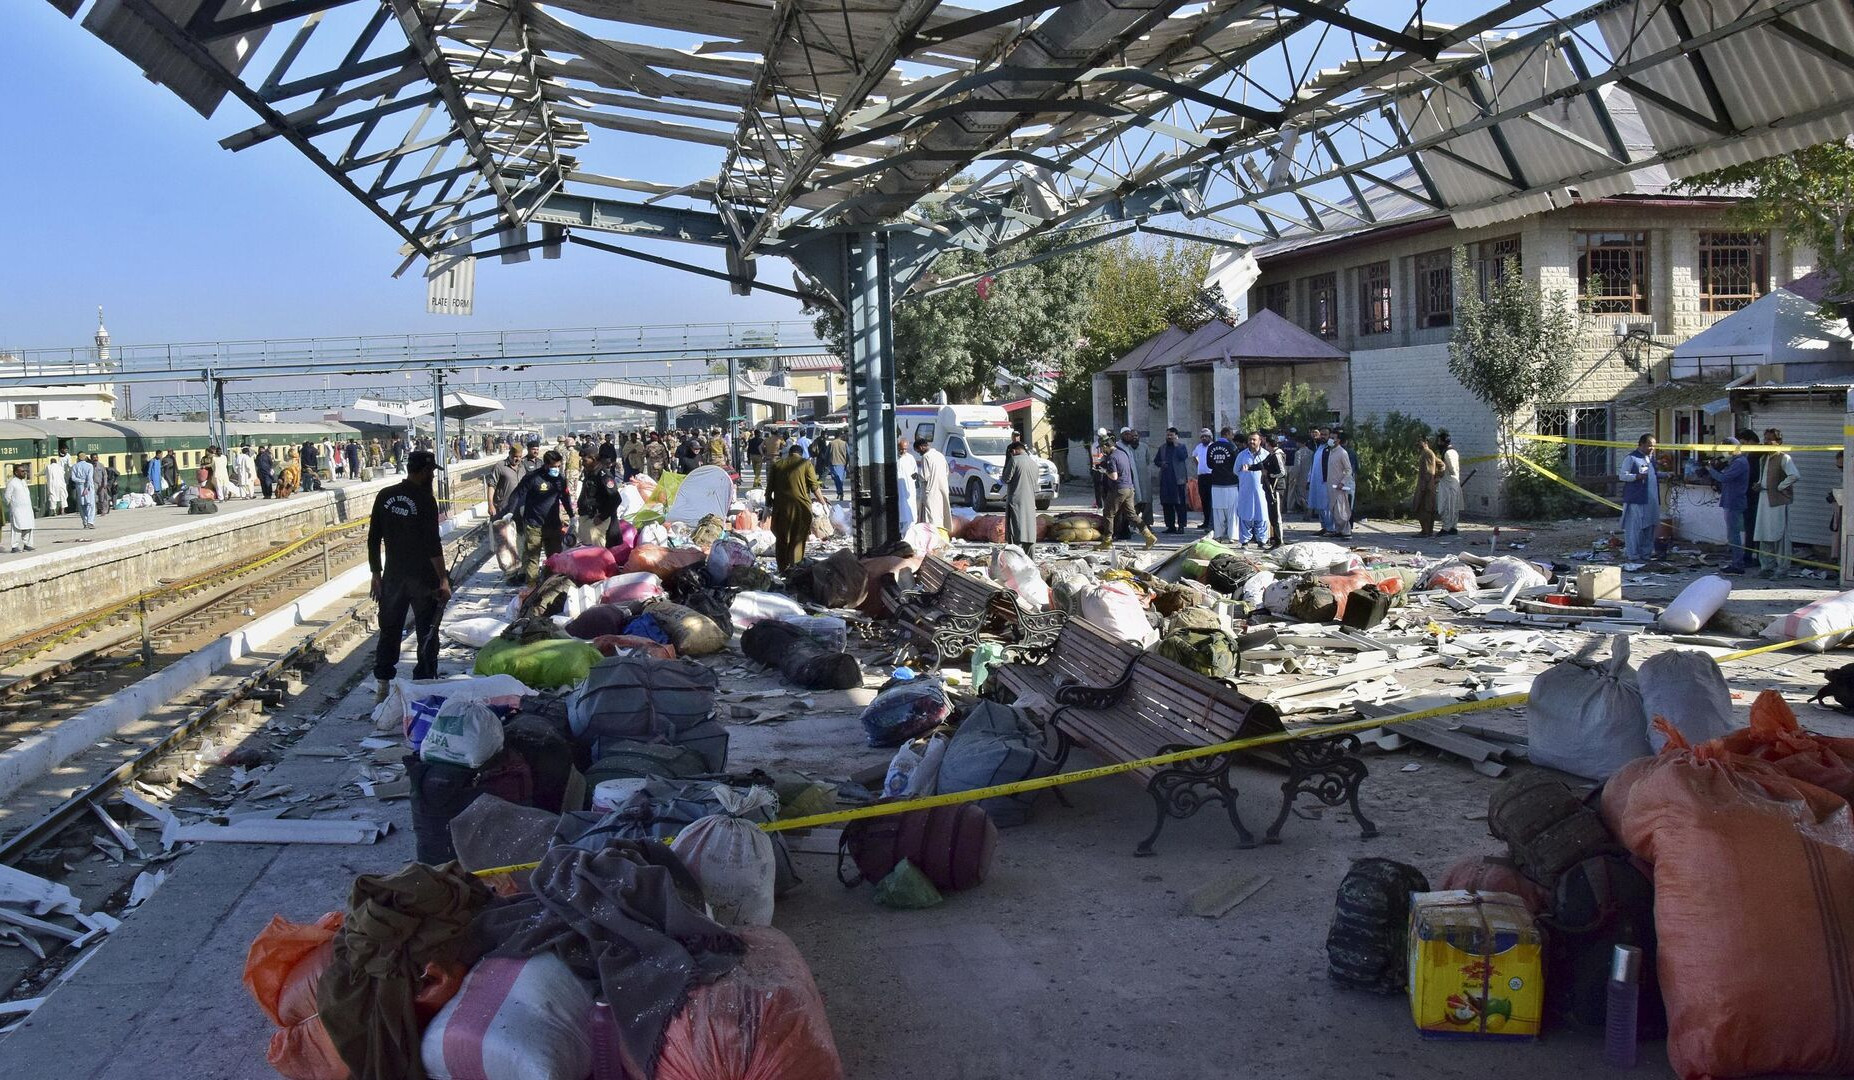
{"x": 1721, "y": 448}
{"x": 1042, "y": 783}
{"x": 1588, "y": 494}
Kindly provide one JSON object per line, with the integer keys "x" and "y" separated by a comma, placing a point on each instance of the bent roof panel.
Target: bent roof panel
{"x": 1263, "y": 336}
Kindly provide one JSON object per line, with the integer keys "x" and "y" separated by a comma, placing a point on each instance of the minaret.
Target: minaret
{"x": 124, "y": 403}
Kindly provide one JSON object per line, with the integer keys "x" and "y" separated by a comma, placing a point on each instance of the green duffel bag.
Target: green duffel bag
{"x": 626, "y": 760}
{"x": 1207, "y": 652}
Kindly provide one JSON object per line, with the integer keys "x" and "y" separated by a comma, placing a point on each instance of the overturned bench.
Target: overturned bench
{"x": 952, "y": 611}
{"x": 1123, "y": 704}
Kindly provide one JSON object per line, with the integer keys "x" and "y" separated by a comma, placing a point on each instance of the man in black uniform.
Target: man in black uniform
{"x": 411, "y": 575}
{"x": 543, "y": 510}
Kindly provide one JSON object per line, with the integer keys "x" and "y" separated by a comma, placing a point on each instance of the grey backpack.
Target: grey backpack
{"x": 994, "y": 745}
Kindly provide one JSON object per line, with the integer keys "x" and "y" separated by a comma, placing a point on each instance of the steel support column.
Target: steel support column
{"x": 868, "y": 304}
{"x": 437, "y": 440}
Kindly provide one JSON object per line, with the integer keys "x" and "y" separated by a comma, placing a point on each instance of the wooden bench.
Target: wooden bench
{"x": 1123, "y": 704}
{"x": 952, "y": 611}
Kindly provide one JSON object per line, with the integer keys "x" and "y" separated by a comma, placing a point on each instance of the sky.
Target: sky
{"x": 120, "y": 196}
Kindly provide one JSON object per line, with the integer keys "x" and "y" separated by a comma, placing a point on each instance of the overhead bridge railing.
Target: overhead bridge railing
{"x": 400, "y": 352}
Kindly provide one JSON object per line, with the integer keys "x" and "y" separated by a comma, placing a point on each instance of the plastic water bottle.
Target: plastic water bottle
{"x": 605, "y": 1062}
{"x": 1625, "y": 989}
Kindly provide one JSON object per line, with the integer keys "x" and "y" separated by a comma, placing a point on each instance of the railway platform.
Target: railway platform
{"x": 76, "y": 570}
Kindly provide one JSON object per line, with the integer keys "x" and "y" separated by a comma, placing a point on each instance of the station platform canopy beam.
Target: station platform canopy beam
{"x": 871, "y": 137}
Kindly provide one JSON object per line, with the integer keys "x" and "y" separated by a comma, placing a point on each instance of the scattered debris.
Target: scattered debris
{"x": 1218, "y": 898}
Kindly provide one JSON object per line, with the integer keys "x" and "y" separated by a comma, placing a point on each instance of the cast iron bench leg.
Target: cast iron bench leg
{"x": 1329, "y": 770}
{"x": 1187, "y": 787}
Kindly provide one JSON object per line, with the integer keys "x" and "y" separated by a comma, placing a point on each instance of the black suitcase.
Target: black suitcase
{"x": 441, "y": 791}
{"x": 1365, "y": 607}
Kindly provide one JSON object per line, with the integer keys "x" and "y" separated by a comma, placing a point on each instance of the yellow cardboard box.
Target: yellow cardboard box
{"x": 1476, "y": 966}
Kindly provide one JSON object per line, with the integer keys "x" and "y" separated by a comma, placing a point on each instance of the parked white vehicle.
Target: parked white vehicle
{"x": 973, "y": 438}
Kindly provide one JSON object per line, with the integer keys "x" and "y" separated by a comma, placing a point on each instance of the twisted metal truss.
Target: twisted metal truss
{"x": 466, "y": 124}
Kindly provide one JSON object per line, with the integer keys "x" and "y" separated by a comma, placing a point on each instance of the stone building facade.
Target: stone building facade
{"x": 1645, "y": 273}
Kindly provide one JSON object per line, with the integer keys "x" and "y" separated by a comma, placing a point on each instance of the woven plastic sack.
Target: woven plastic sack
{"x": 662, "y": 561}
{"x": 1316, "y": 555}
{"x": 764, "y": 1020}
{"x": 464, "y": 732}
{"x": 731, "y": 858}
{"x": 514, "y": 1019}
{"x": 1776, "y": 738}
{"x": 1115, "y": 608}
{"x": 1696, "y": 605}
{"x": 1686, "y": 687}
{"x": 625, "y": 588}
{"x": 584, "y": 565}
{"x": 1016, "y": 571}
{"x": 693, "y": 633}
{"x": 1588, "y": 720}
{"x": 1505, "y": 571}
{"x": 984, "y": 529}
{"x": 502, "y": 534}
{"x": 1451, "y": 577}
{"x": 1752, "y": 873}
{"x": 752, "y": 607}
{"x": 542, "y": 665}
{"x": 600, "y": 620}
{"x": 474, "y": 633}
{"x": 1808, "y": 624}
{"x": 613, "y": 644}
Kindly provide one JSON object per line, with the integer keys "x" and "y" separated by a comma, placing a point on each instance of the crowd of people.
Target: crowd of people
{"x": 1243, "y": 483}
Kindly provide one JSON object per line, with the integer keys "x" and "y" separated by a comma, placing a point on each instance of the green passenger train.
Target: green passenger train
{"x": 126, "y": 445}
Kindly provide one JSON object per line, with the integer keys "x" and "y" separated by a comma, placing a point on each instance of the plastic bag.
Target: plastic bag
{"x": 398, "y": 712}
{"x": 1450, "y": 577}
{"x": 1686, "y": 687}
{"x": 1588, "y": 721}
{"x": 900, "y": 768}
{"x": 924, "y": 538}
{"x": 662, "y": 561}
{"x": 751, "y": 607}
{"x": 726, "y": 554}
{"x": 475, "y": 633}
{"x": 464, "y": 732}
{"x": 514, "y": 1019}
{"x": 905, "y": 709}
{"x": 985, "y": 656}
{"x": 764, "y": 1020}
{"x": 502, "y": 535}
{"x": 1833, "y": 613}
{"x": 732, "y": 858}
{"x": 281, "y": 970}
{"x": 584, "y": 565}
{"x": 546, "y": 665}
{"x": 907, "y": 889}
{"x": 840, "y": 522}
{"x": 1775, "y": 737}
{"x": 1115, "y": 608}
{"x": 1279, "y": 593}
{"x": 1696, "y": 605}
{"x": 830, "y": 629}
{"x": 1016, "y": 571}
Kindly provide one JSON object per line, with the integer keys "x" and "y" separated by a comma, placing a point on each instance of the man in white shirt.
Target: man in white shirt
{"x": 57, "y": 485}
{"x": 18, "y": 501}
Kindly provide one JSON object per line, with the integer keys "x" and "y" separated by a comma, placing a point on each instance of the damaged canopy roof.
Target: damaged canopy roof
{"x": 748, "y": 124}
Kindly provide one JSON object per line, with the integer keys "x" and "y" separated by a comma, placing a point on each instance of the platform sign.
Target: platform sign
{"x": 451, "y": 285}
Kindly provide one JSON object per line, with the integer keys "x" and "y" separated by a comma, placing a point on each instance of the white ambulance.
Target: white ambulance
{"x": 973, "y": 438}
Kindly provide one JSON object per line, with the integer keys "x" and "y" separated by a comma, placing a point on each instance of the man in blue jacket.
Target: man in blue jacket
{"x": 1734, "y": 480}
{"x": 1175, "y": 471}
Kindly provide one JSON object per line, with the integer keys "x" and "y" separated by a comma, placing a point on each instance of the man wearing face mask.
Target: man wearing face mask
{"x": 411, "y": 575}
{"x": 543, "y": 509}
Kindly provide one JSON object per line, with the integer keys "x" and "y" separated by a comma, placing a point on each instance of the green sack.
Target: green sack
{"x": 906, "y": 889}
{"x": 1207, "y": 652}
{"x": 540, "y": 665}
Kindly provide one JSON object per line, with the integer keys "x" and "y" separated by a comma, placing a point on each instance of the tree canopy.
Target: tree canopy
{"x": 1808, "y": 193}
{"x": 1020, "y": 321}
{"x": 1140, "y": 287}
{"x": 1512, "y": 348}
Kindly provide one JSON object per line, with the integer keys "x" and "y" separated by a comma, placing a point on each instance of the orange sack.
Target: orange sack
{"x": 663, "y": 561}
{"x": 762, "y": 1021}
{"x": 282, "y": 967}
{"x": 1753, "y": 904}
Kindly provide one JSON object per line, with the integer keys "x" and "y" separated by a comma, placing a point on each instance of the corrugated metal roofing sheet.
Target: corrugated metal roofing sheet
{"x": 1761, "y": 75}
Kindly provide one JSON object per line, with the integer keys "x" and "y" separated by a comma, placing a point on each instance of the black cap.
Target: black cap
{"x": 420, "y": 460}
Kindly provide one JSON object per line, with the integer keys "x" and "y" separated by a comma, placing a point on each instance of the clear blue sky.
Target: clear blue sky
{"x": 119, "y": 195}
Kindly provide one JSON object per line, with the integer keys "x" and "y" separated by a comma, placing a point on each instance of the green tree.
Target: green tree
{"x": 1299, "y": 407}
{"x": 1022, "y": 320}
{"x": 1139, "y": 288}
{"x": 1386, "y": 453}
{"x": 1260, "y": 418}
{"x": 1808, "y": 193}
{"x": 1513, "y": 348}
